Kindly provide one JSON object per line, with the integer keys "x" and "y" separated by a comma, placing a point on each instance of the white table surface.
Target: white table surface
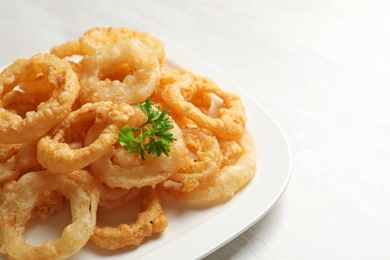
{"x": 321, "y": 68}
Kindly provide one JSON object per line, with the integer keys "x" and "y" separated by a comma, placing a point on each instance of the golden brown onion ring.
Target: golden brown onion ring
{"x": 59, "y": 157}
{"x": 126, "y": 71}
{"x": 22, "y": 199}
{"x": 64, "y": 89}
{"x": 151, "y": 220}
{"x": 231, "y": 120}
{"x": 202, "y": 100}
{"x": 205, "y": 160}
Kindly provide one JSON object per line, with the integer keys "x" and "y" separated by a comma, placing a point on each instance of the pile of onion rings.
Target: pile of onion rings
{"x": 59, "y": 126}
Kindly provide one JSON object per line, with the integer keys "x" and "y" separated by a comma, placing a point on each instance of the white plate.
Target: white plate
{"x": 195, "y": 231}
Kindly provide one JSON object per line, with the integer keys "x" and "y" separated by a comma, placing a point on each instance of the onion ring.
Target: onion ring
{"x": 206, "y": 163}
{"x": 22, "y": 199}
{"x": 65, "y": 89}
{"x": 59, "y": 157}
{"x": 126, "y": 71}
{"x": 231, "y": 120}
{"x": 151, "y": 220}
{"x": 202, "y": 100}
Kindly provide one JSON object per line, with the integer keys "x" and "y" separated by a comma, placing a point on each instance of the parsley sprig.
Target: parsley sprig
{"x": 152, "y": 137}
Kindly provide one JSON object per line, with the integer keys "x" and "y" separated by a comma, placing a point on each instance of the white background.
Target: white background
{"x": 321, "y": 68}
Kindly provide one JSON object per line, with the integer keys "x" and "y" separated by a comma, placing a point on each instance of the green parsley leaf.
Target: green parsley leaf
{"x": 152, "y": 137}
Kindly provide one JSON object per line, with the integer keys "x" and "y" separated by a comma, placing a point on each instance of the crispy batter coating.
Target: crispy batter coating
{"x": 47, "y": 81}
{"x": 126, "y": 71}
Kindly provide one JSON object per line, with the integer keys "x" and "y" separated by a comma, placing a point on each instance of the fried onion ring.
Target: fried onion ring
{"x": 60, "y": 80}
{"x": 151, "y": 220}
{"x": 22, "y": 199}
{"x": 205, "y": 162}
{"x": 126, "y": 71}
{"x": 231, "y": 120}
{"x": 59, "y": 157}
